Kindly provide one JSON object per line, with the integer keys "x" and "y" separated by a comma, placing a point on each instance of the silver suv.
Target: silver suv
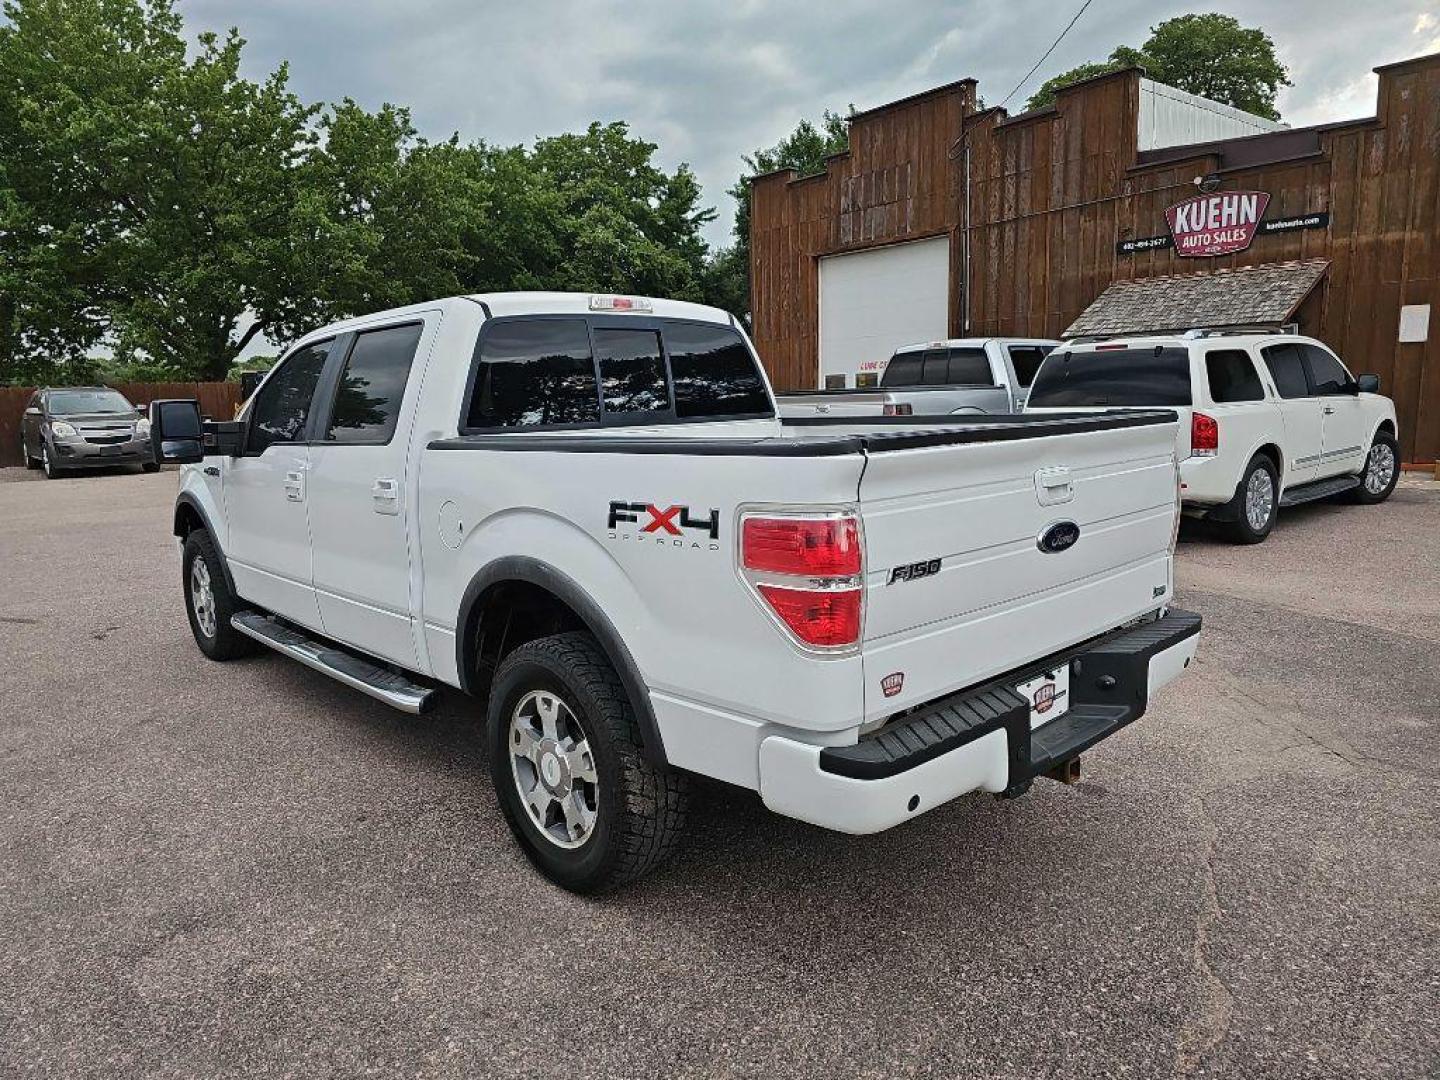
{"x": 77, "y": 427}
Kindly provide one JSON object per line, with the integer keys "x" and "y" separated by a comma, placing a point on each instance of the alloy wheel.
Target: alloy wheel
{"x": 202, "y": 597}
{"x": 554, "y": 769}
{"x": 1259, "y": 500}
{"x": 1379, "y": 468}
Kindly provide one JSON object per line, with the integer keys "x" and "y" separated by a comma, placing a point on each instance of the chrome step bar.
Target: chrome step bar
{"x": 380, "y": 683}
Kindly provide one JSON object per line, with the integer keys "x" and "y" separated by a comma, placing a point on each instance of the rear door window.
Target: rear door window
{"x": 368, "y": 396}
{"x": 970, "y": 367}
{"x": 1027, "y": 360}
{"x": 1233, "y": 377}
{"x": 904, "y": 369}
{"x": 1145, "y": 376}
{"x": 1328, "y": 376}
{"x": 533, "y": 373}
{"x": 714, "y": 373}
{"x": 281, "y": 408}
{"x": 1287, "y": 369}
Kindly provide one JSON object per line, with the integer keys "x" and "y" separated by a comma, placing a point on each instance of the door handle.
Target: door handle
{"x": 385, "y": 494}
{"x": 1329, "y": 410}
{"x": 295, "y": 485}
{"x": 1054, "y": 486}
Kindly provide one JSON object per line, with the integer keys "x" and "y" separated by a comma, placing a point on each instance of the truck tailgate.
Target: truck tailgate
{"x": 959, "y": 586}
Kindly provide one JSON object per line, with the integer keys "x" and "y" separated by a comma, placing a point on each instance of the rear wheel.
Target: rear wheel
{"x": 1382, "y": 471}
{"x": 209, "y": 603}
{"x": 589, "y": 810}
{"x": 30, "y": 462}
{"x": 1255, "y": 503}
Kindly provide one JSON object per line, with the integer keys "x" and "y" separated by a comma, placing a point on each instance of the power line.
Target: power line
{"x": 1048, "y": 51}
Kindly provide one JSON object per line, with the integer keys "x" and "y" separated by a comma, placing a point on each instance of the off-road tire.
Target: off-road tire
{"x": 1361, "y": 494}
{"x": 1238, "y": 528}
{"x": 226, "y": 643}
{"x": 641, "y": 807}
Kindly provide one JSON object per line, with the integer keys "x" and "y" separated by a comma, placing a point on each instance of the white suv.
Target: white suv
{"x": 1267, "y": 420}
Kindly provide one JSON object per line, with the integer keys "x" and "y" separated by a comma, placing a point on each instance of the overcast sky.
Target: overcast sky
{"x": 709, "y": 80}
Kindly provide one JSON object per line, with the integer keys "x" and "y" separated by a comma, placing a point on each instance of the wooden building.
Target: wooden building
{"x": 1016, "y": 224}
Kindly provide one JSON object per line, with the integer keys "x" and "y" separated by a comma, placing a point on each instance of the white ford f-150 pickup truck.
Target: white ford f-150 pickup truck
{"x": 584, "y": 511}
{"x": 939, "y": 378}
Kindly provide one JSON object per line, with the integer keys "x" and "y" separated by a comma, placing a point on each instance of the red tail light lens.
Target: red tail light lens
{"x": 820, "y": 618}
{"x": 898, "y": 410}
{"x": 813, "y": 547}
{"x": 1204, "y": 434}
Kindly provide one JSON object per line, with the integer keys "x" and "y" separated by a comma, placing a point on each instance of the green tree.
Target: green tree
{"x": 727, "y": 272}
{"x": 1211, "y": 55}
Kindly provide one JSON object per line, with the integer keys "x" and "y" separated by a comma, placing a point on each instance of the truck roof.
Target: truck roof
{"x": 974, "y": 343}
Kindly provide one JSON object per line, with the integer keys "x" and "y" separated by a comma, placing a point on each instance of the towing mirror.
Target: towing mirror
{"x": 1367, "y": 384}
{"x": 177, "y": 433}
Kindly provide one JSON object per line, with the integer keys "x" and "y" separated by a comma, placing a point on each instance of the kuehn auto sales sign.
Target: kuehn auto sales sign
{"x": 1216, "y": 224}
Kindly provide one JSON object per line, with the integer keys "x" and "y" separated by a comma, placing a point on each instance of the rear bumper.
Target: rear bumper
{"x": 976, "y": 740}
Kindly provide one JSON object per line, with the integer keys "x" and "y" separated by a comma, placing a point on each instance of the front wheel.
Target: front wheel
{"x": 590, "y": 812}
{"x": 47, "y": 463}
{"x": 1255, "y": 502}
{"x": 1382, "y": 471}
{"x": 209, "y": 603}
{"x": 30, "y": 462}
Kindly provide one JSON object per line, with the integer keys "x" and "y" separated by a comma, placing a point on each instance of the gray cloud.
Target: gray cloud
{"x": 709, "y": 81}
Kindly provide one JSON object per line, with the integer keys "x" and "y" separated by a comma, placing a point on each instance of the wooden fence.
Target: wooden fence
{"x": 217, "y": 399}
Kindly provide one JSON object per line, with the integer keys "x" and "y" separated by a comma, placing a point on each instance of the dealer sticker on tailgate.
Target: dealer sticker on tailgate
{"x": 1048, "y": 694}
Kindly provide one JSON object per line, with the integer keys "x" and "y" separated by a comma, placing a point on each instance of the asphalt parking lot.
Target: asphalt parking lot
{"x": 247, "y": 870}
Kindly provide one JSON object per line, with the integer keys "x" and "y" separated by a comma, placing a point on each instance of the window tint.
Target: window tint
{"x": 903, "y": 369}
{"x": 1027, "y": 360}
{"x": 936, "y": 367}
{"x": 534, "y": 372}
{"x": 632, "y": 372}
{"x": 1287, "y": 370}
{"x": 1233, "y": 376}
{"x": 970, "y": 366}
{"x": 282, "y": 405}
{"x": 714, "y": 372}
{"x": 367, "y": 398}
{"x": 1154, "y": 376}
{"x": 1327, "y": 375}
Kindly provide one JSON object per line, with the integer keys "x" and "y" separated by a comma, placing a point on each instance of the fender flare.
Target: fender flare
{"x": 188, "y": 499}
{"x": 534, "y": 572}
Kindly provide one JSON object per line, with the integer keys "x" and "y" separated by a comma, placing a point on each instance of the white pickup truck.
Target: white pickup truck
{"x": 938, "y": 378}
{"x": 583, "y": 511}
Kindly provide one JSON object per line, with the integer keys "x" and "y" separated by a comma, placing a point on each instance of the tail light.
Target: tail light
{"x": 1204, "y": 435}
{"x": 807, "y": 569}
{"x": 898, "y": 410}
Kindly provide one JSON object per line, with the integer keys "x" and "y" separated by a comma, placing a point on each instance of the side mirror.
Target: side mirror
{"x": 33, "y": 410}
{"x": 1367, "y": 384}
{"x": 176, "y": 431}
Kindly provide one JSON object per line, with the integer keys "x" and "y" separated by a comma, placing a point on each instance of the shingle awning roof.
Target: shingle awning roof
{"x": 1269, "y": 294}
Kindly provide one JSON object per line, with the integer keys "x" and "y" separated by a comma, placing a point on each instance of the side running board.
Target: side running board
{"x": 380, "y": 683}
{"x": 1319, "y": 489}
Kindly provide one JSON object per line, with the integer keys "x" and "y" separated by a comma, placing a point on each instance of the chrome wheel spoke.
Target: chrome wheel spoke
{"x": 553, "y": 769}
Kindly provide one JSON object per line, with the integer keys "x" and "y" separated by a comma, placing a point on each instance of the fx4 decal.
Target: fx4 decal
{"x": 914, "y": 571}
{"x": 662, "y": 525}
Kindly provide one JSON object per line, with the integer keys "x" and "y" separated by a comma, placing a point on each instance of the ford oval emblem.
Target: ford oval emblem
{"x": 1058, "y": 537}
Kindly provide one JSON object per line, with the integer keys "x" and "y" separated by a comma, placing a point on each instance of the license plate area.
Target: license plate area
{"x": 1047, "y": 694}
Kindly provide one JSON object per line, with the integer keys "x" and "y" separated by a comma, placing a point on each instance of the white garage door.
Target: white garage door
{"x": 871, "y": 302}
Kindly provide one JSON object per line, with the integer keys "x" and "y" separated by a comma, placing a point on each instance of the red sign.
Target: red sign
{"x": 1216, "y": 224}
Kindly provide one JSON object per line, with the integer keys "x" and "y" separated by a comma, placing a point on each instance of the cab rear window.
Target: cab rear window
{"x": 1151, "y": 376}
